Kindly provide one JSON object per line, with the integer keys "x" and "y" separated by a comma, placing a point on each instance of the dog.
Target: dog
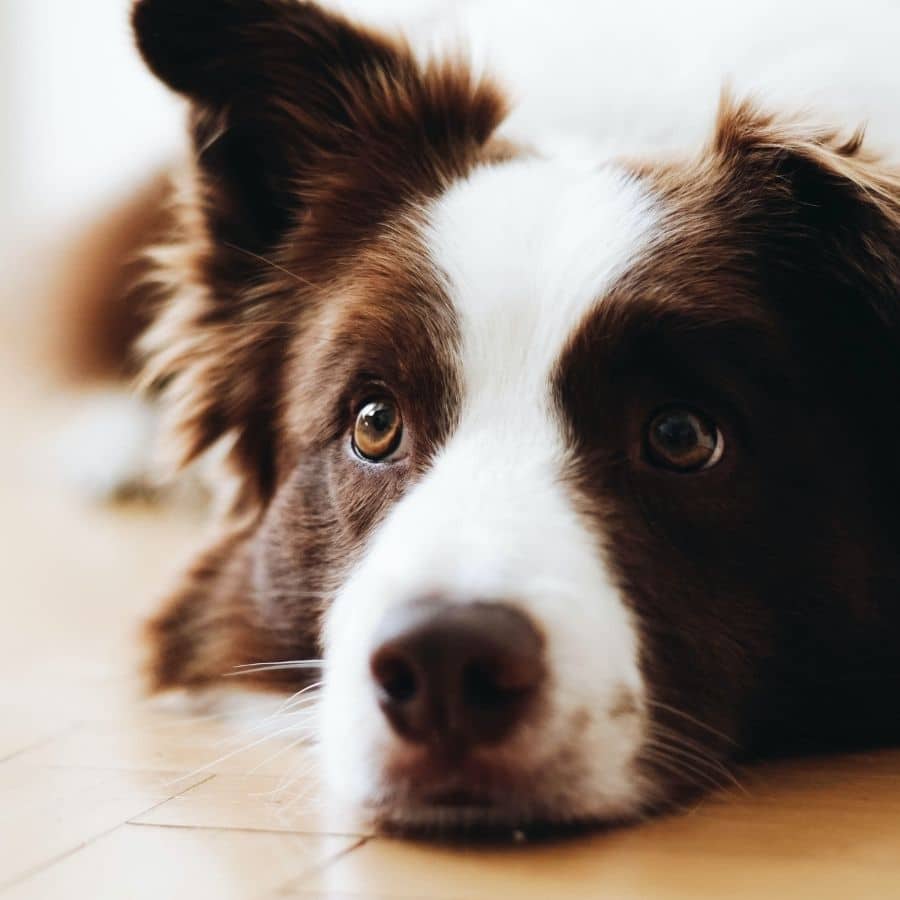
{"x": 569, "y": 473}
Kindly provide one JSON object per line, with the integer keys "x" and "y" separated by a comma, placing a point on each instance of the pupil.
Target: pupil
{"x": 381, "y": 419}
{"x": 678, "y": 434}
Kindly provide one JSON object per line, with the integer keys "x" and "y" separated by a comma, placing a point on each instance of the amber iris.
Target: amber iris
{"x": 377, "y": 430}
{"x": 683, "y": 440}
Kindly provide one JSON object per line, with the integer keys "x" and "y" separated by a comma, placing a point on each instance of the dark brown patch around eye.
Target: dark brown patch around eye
{"x": 683, "y": 440}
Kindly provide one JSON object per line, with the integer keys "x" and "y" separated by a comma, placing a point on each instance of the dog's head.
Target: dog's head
{"x": 581, "y": 478}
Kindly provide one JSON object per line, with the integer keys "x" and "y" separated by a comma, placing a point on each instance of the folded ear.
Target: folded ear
{"x": 832, "y": 212}
{"x": 283, "y": 92}
{"x": 819, "y": 227}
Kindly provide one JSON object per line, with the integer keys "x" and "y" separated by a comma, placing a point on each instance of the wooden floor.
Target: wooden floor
{"x": 103, "y": 796}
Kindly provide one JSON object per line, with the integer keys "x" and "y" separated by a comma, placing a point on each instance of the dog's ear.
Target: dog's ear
{"x": 308, "y": 133}
{"x": 284, "y": 93}
{"x": 819, "y": 222}
{"x": 829, "y": 206}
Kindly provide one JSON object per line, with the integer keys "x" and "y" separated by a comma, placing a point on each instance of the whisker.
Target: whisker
{"x": 293, "y": 706}
{"x": 269, "y": 262}
{"x": 679, "y": 712}
{"x": 677, "y": 737}
{"x": 290, "y": 779}
{"x": 289, "y": 706}
{"x": 682, "y": 769}
{"x": 282, "y": 665}
{"x": 295, "y": 663}
{"x": 288, "y": 747}
{"x": 233, "y": 753}
{"x": 712, "y": 765}
{"x": 684, "y": 752}
{"x": 304, "y": 795}
{"x": 674, "y": 768}
{"x": 674, "y": 741}
{"x": 297, "y": 697}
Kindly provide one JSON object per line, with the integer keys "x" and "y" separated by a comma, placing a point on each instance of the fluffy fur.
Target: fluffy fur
{"x": 358, "y": 221}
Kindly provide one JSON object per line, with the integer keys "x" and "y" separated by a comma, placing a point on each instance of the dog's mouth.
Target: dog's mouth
{"x": 458, "y": 814}
{"x": 470, "y": 802}
{"x": 457, "y": 798}
{"x": 424, "y": 800}
{"x": 455, "y": 814}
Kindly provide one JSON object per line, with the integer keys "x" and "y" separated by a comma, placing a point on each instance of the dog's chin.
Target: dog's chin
{"x": 425, "y": 799}
{"x": 454, "y": 810}
{"x": 462, "y": 817}
{"x": 455, "y": 819}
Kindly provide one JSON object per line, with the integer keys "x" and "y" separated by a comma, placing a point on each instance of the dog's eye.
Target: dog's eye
{"x": 377, "y": 431}
{"x": 683, "y": 440}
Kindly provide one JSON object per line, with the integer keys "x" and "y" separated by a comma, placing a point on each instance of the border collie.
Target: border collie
{"x": 575, "y": 470}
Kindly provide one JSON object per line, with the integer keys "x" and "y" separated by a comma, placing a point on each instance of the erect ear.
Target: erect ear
{"x": 308, "y": 134}
{"x": 283, "y": 91}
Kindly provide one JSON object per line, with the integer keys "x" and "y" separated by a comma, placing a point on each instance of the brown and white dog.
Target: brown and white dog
{"x": 579, "y": 475}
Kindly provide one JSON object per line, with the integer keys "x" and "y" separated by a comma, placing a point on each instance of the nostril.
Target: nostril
{"x": 456, "y": 675}
{"x": 481, "y": 687}
{"x": 396, "y": 678}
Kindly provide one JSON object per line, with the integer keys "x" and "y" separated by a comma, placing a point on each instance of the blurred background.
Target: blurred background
{"x": 82, "y": 122}
{"x": 84, "y": 125}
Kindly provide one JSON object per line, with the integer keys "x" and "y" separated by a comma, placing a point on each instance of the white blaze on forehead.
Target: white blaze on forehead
{"x": 527, "y": 249}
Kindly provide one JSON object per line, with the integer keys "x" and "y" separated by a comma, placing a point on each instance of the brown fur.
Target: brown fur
{"x": 261, "y": 321}
{"x": 355, "y": 130}
{"x": 771, "y": 302}
{"x": 765, "y": 587}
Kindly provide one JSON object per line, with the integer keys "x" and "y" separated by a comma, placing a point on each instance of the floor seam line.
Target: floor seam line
{"x": 47, "y": 864}
{"x": 36, "y": 745}
{"x": 246, "y": 830}
{"x": 318, "y": 868}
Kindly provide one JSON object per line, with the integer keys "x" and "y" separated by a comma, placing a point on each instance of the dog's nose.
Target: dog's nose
{"x": 456, "y": 676}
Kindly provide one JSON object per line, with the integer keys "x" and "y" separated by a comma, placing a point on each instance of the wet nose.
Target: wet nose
{"x": 456, "y": 676}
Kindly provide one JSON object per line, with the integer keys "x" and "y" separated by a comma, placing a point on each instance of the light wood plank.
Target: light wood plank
{"x": 47, "y": 813}
{"x": 180, "y": 745}
{"x": 797, "y": 820}
{"x": 694, "y": 865}
{"x": 257, "y": 802}
{"x": 136, "y": 862}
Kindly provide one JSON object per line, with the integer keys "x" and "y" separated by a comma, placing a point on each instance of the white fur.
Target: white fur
{"x": 527, "y": 248}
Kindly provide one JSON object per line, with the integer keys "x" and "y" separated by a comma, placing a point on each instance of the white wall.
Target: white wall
{"x": 81, "y": 117}
{"x": 84, "y": 116}
{"x": 82, "y": 120}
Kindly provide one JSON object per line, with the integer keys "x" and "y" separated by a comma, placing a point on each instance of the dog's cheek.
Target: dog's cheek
{"x": 597, "y": 722}
{"x": 210, "y": 624}
{"x": 353, "y": 737}
{"x": 307, "y": 543}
